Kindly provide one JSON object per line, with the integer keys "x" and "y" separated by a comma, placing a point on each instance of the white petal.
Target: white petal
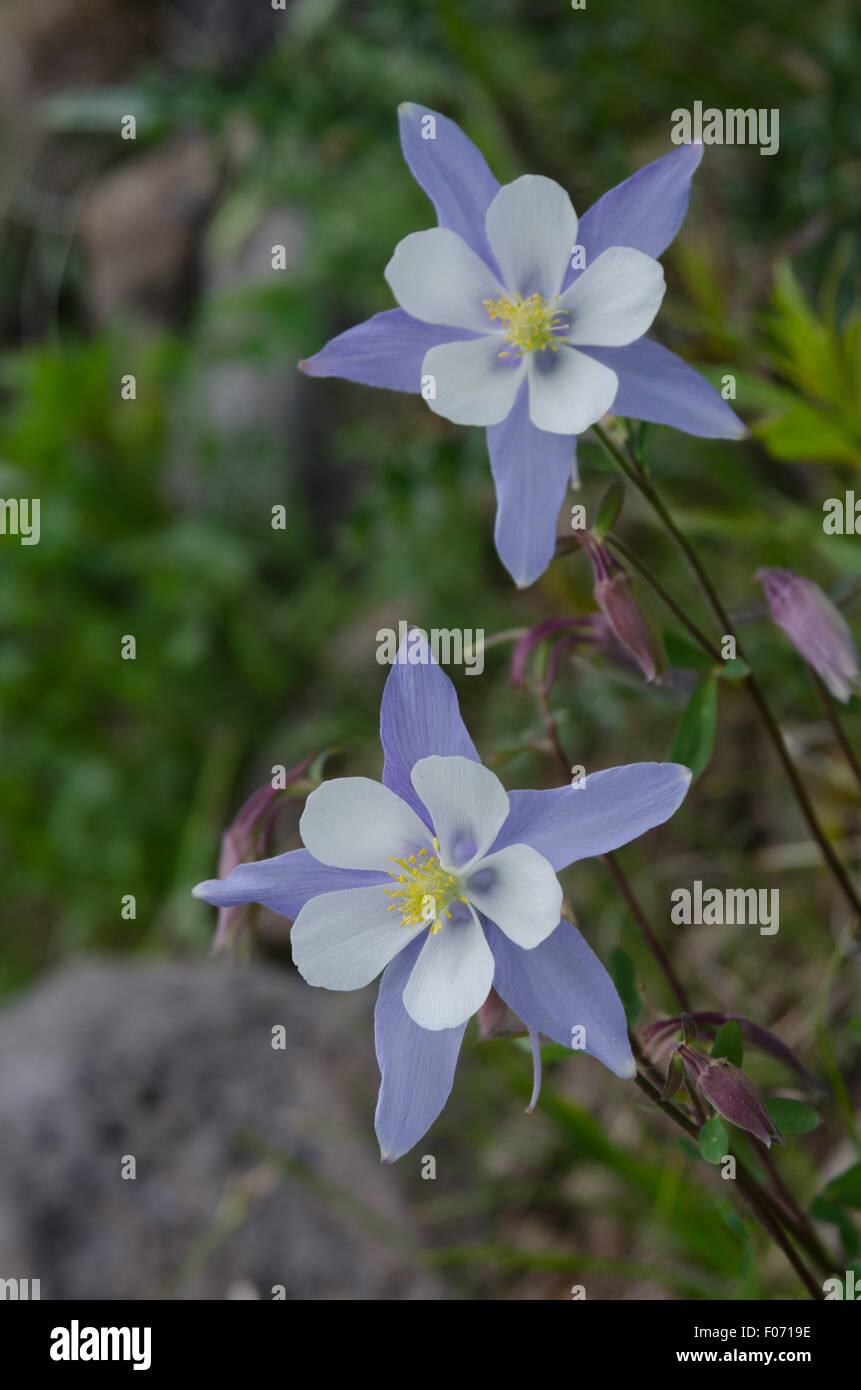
{"x": 532, "y": 230}
{"x": 569, "y": 391}
{"x": 518, "y": 890}
{"x": 473, "y": 384}
{"x": 343, "y": 940}
{"x": 355, "y": 823}
{"x": 468, "y": 806}
{"x": 615, "y": 299}
{"x": 436, "y": 277}
{"x": 452, "y": 977}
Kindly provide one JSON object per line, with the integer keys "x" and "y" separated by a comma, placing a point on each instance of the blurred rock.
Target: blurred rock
{"x": 141, "y": 225}
{"x": 255, "y": 1167}
{"x": 237, "y": 407}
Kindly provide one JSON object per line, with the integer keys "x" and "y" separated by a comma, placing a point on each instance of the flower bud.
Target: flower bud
{"x": 816, "y": 629}
{"x": 659, "y": 1036}
{"x": 733, "y": 1095}
{"x": 572, "y": 629}
{"x": 613, "y": 596}
{"x": 675, "y": 1076}
{"x": 246, "y": 839}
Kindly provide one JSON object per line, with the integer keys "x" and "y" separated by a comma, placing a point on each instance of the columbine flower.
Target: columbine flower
{"x": 501, "y": 326}
{"x": 815, "y": 628}
{"x": 447, "y": 883}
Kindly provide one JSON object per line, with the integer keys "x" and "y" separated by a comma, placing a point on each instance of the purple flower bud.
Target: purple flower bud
{"x": 247, "y": 839}
{"x": 658, "y": 1036}
{"x": 574, "y": 629}
{"x": 497, "y": 1020}
{"x": 613, "y": 595}
{"x": 814, "y": 627}
{"x": 732, "y": 1093}
{"x": 490, "y": 1016}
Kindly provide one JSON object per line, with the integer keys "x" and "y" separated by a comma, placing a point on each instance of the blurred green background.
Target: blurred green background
{"x": 257, "y": 646}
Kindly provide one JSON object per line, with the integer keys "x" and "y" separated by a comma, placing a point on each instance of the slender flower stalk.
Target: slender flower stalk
{"x": 805, "y": 804}
{"x": 827, "y": 701}
{"x": 612, "y": 591}
{"x": 769, "y": 1215}
{"x": 762, "y": 1206}
{"x": 634, "y": 560}
{"x": 616, "y": 871}
{"x": 798, "y": 1219}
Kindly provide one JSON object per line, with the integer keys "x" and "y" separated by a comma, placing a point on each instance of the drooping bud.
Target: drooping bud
{"x": 568, "y": 630}
{"x": 732, "y": 1093}
{"x": 246, "y": 839}
{"x": 658, "y": 1036}
{"x": 497, "y": 1020}
{"x": 815, "y": 627}
{"x": 613, "y": 596}
{"x": 490, "y": 1016}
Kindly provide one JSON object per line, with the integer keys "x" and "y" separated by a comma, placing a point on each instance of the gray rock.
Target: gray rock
{"x": 255, "y": 1167}
{"x": 140, "y": 226}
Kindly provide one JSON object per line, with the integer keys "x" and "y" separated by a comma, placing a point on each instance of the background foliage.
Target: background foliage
{"x": 257, "y": 646}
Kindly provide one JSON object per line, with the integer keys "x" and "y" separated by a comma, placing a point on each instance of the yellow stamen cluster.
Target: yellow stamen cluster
{"x": 532, "y": 324}
{"x": 422, "y": 890}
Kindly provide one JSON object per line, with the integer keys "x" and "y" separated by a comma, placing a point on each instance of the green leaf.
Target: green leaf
{"x": 853, "y": 1028}
{"x": 734, "y": 670}
{"x": 714, "y": 1141}
{"x": 688, "y": 1149}
{"x": 846, "y": 1188}
{"x": 793, "y": 1116}
{"x": 729, "y": 1043}
{"x": 609, "y": 508}
{"x": 681, "y": 652}
{"x": 695, "y": 739}
{"x": 823, "y": 1209}
{"x": 625, "y": 979}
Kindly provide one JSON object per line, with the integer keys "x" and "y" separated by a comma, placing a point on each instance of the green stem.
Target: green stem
{"x": 837, "y": 729}
{"x": 619, "y": 876}
{"x": 768, "y": 1214}
{"x": 654, "y": 583}
{"x": 635, "y": 475}
{"x": 760, "y": 1204}
{"x": 800, "y": 1221}
{"x": 649, "y": 937}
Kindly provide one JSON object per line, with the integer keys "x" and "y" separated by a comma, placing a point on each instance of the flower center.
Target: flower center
{"x": 532, "y": 324}
{"x": 423, "y": 889}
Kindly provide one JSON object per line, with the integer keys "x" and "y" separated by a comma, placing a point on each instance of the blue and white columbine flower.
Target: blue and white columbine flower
{"x": 506, "y": 332}
{"x": 447, "y": 883}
